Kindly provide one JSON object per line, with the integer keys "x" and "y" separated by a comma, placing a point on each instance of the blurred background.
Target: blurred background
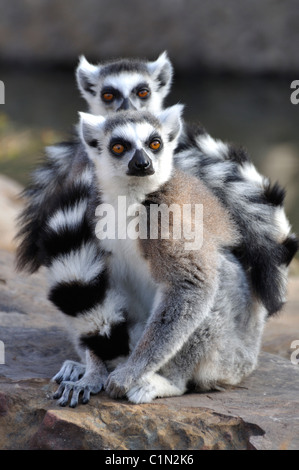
{"x": 234, "y": 63}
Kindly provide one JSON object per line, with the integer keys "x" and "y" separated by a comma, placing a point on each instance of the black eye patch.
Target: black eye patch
{"x": 109, "y": 94}
{"x": 118, "y": 146}
{"x": 142, "y": 90}
{"x": 154, "y": 137}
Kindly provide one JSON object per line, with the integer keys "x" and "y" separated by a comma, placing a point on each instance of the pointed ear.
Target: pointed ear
{"x": 87, "y": 77}
{"x": 171, "y": 119}
{"x": 91, "y": 128}
{"x": 161, "y": 70}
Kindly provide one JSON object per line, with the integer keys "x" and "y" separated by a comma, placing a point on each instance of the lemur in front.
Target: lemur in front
{"x": 64, "y": 188}
{"x": 190, "y": 316}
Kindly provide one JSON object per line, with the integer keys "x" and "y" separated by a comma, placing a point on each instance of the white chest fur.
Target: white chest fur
{"x": 131, "y": 275}
{"x": 129, "y": 270}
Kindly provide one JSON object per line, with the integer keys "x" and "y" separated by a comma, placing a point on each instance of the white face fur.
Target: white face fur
{"x": 124, "y": 84}
{"x": 132, "y": 151}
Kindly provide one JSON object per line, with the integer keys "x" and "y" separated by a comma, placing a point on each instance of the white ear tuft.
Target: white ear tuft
{"x": 87, "y": 77}
{"x": 90, "y": 128}
{"x": 85, "y": 65}
{"x": 171, "y": 118}
{"x": 161, "y": 71}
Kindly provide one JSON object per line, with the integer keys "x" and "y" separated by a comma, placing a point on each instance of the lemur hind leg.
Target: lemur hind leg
{"x": 239, "y": 318}
{"x": 236, "y": 355}
{"x": 91, "y": 383}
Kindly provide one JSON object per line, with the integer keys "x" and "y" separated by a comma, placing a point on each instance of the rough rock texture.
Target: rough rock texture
{"x": 233, "y": 36}
{"x": 106, "y": 424}
{"x": 262, "y": 413}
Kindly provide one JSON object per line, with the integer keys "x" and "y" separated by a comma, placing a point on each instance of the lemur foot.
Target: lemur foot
{"x": 70, "y": 371}
{"x": 90, "y": 384}
{"x": 119, "y": 381}
{"x": 153, "y": 387}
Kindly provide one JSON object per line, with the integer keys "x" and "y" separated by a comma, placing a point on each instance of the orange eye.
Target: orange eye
{"x": 155, "y": 144}
{"x": 143, "y": 93}
{"x": 108, "y": 96}
{"x": 118, "y": 149}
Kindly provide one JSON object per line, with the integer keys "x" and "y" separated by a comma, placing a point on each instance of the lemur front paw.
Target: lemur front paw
{"x": 153, "y": 386}
{"x": 142, "y": 393}
{"x": 70, "y": 371}
{"x": 119, "y": 382}
{"x": 90, "y": 384}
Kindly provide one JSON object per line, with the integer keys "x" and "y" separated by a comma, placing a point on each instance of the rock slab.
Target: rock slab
{"x": 262, "y": 413}
{"x": 30, "y": 420}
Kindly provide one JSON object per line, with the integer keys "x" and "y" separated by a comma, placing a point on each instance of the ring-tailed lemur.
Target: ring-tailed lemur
{"x": 185, "y": 301}
{"x": 267, "y": 244}
{"x": 68, "y": 171}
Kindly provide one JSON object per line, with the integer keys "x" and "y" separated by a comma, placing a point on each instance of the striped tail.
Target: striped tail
{"x": 62, "y": 161}
{"x": 267, "y": 245}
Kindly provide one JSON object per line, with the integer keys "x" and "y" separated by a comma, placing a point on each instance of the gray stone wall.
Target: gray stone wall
{"x": 239, "y": 36}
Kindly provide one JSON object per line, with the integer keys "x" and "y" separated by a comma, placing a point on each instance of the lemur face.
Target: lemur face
{"x": 132, "y": 148}
{"x": 125, "y": 85}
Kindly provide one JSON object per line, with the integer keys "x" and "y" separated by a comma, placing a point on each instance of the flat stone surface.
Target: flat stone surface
{"x": 283, "y": 329}
{"x": 261, "y": 413}
{"x": 268, "y": 398}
